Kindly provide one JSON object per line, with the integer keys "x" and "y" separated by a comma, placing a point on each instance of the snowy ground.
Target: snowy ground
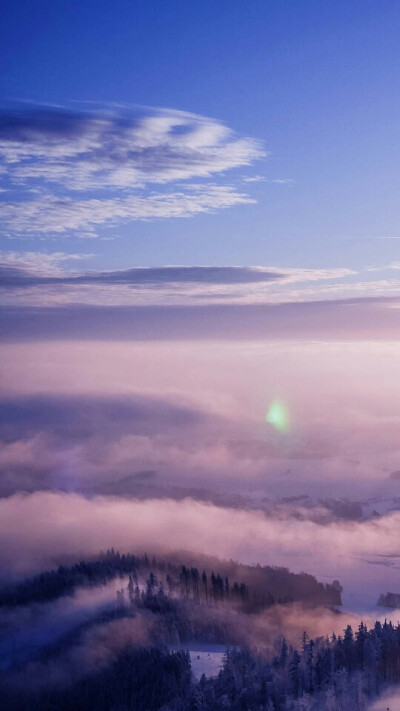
{"x": 206, "y": 658}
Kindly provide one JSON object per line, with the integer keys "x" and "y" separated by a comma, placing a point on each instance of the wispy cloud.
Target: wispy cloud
{"x": 50, "y": 214}
{"x": 392, "y": 265}
{"x": 116, "y": 157}
{"x": 283, "y": 181}
{"x": 38, "y": 263}
{"x": 263, "y": 179}
{"x": 102, "y": 150}
{"x": 254, "y": 179}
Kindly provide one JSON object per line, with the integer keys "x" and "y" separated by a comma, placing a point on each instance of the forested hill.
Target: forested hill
{"x": 342, "y": 673}
{"x": 255, "y": 586}
{"x": 282, "y": 584}
{"x": 127, "y": 649}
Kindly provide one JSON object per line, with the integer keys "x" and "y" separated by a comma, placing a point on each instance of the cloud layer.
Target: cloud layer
{"x": 130, "y": 444}
{"x": 343, "y": 320}
{"x": 25, "y": 280}
{"x": 77, "y": 526}
{"x": 195, "y": 414}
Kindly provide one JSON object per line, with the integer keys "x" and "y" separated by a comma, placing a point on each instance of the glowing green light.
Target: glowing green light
{"x": 278, "y": 416}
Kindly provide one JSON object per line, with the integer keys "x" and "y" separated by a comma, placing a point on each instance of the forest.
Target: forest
{"x": 260, "y": 586}
{"x": 131, "y": 654}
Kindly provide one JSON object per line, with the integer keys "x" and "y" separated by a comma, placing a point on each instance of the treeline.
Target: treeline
{"x": 341, "y": 673}
{"x": 281, "y": 583}
{"x": 259, "y": 587}
{"x": 51, "y": 584}
{"x": 179, "y": 596}
{"x": 389, "y": 600}
{"x": 179, "y": 579}
{"x": 338, "y": 674}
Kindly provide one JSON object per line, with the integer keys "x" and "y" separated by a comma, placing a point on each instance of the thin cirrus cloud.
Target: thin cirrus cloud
{"x": 392, "y": 265}
{"x": 263, "y": 179}
{"x": 57, "y": 215}
{"x": 58, "y": 155}
{"x": 27, "y": 280}
{"x": 41, "y": 278}
{"x": 42, "y": 268}
{"x": 18, "y": 272}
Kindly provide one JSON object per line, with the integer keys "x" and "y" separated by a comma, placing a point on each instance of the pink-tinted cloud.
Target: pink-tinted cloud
{"x": 200, "y": 413}
{"x": 55, "y": 525}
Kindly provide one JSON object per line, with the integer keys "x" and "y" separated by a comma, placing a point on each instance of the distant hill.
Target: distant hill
{"x": 186, "y": 574}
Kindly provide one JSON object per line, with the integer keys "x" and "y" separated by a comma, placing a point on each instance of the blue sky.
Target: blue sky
{"x": 315, "y": 83}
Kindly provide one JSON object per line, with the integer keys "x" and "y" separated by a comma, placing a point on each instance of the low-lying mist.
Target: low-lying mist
{"x": 57, "y": 526}
{"x": 56, "y": 643}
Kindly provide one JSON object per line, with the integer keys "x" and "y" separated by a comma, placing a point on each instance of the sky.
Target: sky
{"x": 199, "y": 279}
{"x": 310, "y": 88}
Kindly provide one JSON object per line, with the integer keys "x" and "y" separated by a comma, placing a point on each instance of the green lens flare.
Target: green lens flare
{"x": 278, "y": 416}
